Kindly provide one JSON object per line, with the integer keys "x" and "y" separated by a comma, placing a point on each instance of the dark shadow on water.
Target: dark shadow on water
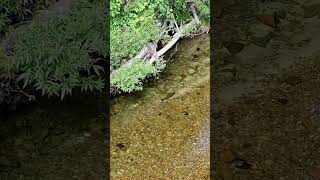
{"x": 41, "y": 140}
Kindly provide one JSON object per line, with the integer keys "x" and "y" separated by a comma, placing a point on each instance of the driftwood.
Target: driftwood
{"x": 173, "y": 41}
{"x": 147, "y": 52}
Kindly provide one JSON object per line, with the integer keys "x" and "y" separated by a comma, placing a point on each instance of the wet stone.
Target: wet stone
{"x": 188, "y": 78}
{"x": 195, "y": 56}
{"x": 234, "y": 47}
{"x": 260, "y": 30}
{"x": 293, "y": 80}
{"x": 121, "y": 146}
{"x": 194, "y": 63}
{"x": 267, "y": 19}
{"x": 242, "y": 164}
{"x": 191, "y": 71}
{"x": 263, "y": 41}
{"x": 86, "y": 134}
{"x": 311, "y": 10}
{"x": 178, "y": 78}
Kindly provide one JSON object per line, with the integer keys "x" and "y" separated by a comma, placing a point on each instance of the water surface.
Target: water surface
{"x": 163, "y": 131}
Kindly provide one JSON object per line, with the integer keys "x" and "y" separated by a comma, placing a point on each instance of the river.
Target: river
{"x": 54, "y": 140}
{"x": 160, "y": 132}
{"x": 163, "y": 131}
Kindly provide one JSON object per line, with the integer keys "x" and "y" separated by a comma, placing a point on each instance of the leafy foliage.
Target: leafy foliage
{"x": 169, "y": 11}
{"x": 54, "y": 57}
{"x": 129, "y": 78}
{"x": 19, "y": 10}
{"x": 130, "y": 30}
{"x": 134, "y": 23}
{"x": 203, "y": 8}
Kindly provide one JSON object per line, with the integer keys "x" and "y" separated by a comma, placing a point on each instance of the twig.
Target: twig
{"x": 175, "y": 22}
{"x": 31, "y": 97}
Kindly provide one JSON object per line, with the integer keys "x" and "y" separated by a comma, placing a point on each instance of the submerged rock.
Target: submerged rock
{"x": 191, "y": 71}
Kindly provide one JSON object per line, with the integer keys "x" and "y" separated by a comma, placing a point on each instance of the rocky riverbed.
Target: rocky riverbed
{"x": 266, "y": 100}
{"x": 163, "y": 131}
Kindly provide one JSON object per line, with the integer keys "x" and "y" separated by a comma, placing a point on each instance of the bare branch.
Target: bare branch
{"x": 194, "y": 13}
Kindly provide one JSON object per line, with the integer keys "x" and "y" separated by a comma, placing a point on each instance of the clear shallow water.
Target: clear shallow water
{"x": 163, "y": 131}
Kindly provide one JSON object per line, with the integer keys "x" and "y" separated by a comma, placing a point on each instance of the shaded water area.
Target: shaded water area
{"x": 54, "y": 140}
{"x": 163, "y": 131}
{"x": 266, "y": 109}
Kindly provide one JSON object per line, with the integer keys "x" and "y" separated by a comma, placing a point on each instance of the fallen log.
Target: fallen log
{"x": 173, "y": 41}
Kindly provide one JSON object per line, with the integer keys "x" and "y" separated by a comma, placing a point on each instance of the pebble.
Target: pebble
{"x": 87, "y": 134}
{"x": 191, "y": 71}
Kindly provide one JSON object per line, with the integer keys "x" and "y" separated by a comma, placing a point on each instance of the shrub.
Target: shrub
{"x": 54, "y": 57}
{"x": 203, "y": 8}
{"x": 129, "y": 78}
{"x": 135, "y": 23}
{"x": 132, "y": 30}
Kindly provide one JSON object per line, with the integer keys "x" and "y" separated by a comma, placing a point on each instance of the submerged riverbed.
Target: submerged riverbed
{"x": 163, "y": 131}
{"x": 54, "y": 140}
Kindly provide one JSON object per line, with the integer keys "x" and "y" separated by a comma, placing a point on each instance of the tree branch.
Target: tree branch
{"x": 194, "y": 13}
